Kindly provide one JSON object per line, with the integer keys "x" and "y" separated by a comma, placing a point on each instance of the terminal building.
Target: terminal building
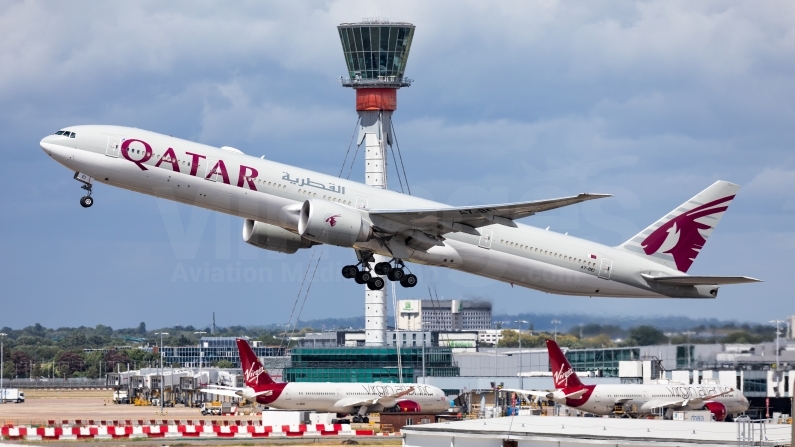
{"x": 443, "y": 315}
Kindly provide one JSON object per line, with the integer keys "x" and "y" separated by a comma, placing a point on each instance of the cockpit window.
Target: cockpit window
{"x": 72, "y": 135}
{"x": 60, "y": 132}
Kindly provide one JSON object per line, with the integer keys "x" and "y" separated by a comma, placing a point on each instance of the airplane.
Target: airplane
{"x": 286, "y": 208}
{"x": 635, "y": 399}
{"x": 357, "y": 399}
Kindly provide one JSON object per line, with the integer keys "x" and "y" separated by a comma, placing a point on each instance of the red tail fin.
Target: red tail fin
{"x": 253, "y": 371}
{"x": 562, "y": 374}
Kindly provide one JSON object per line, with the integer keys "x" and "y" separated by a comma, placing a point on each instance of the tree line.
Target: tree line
{"x": 608, "y": 335}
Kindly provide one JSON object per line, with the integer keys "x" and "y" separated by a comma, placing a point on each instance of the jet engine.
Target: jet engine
{"x": 271, "y": 237}
{"x": 717, "y": 409}
{"x": 330, "y": 223}
{"x": 408, "y": 406}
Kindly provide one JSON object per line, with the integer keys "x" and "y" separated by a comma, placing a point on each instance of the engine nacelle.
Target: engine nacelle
{"x": 408, "y": 406}
{"x": 717, "y": 409}
{"x": 329, "y": 223}
{"x": 271, "y": 237}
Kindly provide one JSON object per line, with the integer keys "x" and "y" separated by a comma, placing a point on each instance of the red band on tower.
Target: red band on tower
{"x": 376, "y": 99}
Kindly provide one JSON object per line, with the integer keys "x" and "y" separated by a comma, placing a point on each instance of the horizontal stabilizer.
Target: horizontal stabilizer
{"x": 686, "y": 280}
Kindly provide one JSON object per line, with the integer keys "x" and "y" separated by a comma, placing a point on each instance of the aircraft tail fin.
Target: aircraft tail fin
{"x": 254, "y": 373}
{"x": 562, "y": 373}
{"x": 676, "y": 239}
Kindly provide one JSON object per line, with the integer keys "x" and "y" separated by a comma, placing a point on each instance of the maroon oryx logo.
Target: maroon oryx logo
{"x": 332, "y": 220}
{"x": 681, "y": 236}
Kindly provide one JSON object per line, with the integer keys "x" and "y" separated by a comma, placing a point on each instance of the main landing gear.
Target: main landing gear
{"x": 374, "y": 282}
{"x": 86, "y": 201}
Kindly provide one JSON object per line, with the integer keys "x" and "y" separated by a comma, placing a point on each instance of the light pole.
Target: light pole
{"x": 520, "y": 323}
{"x": 201, "y": 354}
{"x": 778, "y": 331}
{"x": 161, "y": 369}
{"x": 2, "y": 390}
{"x": 556, "y": 323}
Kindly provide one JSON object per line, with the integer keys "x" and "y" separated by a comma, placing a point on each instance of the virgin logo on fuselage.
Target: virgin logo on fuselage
{"x": 681, "y": 236}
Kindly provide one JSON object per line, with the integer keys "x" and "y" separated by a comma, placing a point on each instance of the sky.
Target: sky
{"x": 511, "y": 101}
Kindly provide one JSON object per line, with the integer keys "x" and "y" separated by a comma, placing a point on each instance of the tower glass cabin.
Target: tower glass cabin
{"x": 376, "y": 53}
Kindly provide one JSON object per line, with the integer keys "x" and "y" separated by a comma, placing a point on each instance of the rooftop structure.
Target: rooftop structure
{"x": 368, "y": 364}
{"x": 444, "y": 315}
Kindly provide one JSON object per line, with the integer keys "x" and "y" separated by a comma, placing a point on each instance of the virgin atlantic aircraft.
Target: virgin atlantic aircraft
{"x": 357, "y": 399}
{"x": 632, "y": 399}
{"x": 288, "y": 208}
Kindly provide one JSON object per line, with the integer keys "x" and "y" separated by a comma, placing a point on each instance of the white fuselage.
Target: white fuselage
{"x": 645, "y": 399}
{"x": 351, "y": 397}
{"x": 271, "y": 192}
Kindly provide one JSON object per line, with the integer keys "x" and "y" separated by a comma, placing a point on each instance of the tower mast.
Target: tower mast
{"x": 376, "y": 52}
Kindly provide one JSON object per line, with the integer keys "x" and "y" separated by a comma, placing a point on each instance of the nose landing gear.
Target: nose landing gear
{"x": 86, "y": 201}
{"x": 396, "y": 273}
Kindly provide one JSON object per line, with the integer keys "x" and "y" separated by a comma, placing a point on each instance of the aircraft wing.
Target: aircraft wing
{"x": 550, "y": 395}
{"x": 477, "y": 216}
{"x": 685, "y": 280}
{"x": 386, "y": 401}
{"x": 221, "y": 392}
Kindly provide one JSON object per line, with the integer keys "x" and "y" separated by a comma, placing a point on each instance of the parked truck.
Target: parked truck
{"x": 216, "y": 408}
{"x": 12, "y": 395}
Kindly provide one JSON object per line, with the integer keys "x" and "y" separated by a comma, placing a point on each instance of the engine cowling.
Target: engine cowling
{"x": 329, "y": 223}
{"x": 271, "y": 237}
{"x": 717, "y": 409}
{"x": 408, "y": 406}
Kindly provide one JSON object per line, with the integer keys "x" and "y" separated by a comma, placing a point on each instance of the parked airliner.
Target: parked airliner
{"x": 357, "y": 399}
{"x": 288, "y": 208}
{"x": 635, "y": 399}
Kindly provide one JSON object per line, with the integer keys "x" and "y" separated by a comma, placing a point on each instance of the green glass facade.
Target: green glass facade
{"x": 604, "y": 360}
{"x": 367, "y": 364}
{"x": 376, "y": 50}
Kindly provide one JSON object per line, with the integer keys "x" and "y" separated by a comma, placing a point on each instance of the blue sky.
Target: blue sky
{"x": 649, "y": 101}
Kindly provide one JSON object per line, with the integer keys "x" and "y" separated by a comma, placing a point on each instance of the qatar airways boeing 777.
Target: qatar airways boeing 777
{"x": 287, "y": 208}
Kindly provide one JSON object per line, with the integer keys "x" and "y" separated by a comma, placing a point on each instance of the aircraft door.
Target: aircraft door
{"x": 486, "y": 235}
{"x": 606, "y": 268}
{"x": 114, "y": 143}
{"x": 361, "y": 203}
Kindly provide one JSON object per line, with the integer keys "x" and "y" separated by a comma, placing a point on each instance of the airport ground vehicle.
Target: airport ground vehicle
{"x": 216, "y": 408}
{"x": 12, "y": 395}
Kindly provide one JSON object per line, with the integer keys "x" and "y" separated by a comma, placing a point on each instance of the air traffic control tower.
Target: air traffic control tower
{"x": 376, "y": 52}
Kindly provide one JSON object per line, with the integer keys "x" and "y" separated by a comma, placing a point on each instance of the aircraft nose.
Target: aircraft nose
{"x": 46, "y": 144}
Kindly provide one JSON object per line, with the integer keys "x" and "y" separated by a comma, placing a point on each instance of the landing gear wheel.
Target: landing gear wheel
{"x": 366, "y": 420}
{"x": 383, "y": 268}
{"x": 376, "y": 283}
{"x": 363, "y": 277}
{"x": 396, "y": 274}
{"x": 349, "y": 271}
{"x": 86, "y": 201}
{"x": 409, "y": 280}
